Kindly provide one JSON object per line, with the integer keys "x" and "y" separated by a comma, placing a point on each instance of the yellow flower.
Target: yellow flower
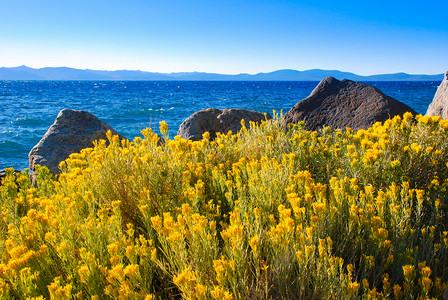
{"x": 116, "y": 273}
{"x": 322, "y": 248}
{"x": 309, "y": 232}
{"x": 186, "y": 209}
{"x": 350, "y": 268}
{"x": 228, "y": 296}
{"x": 132, "y": 271}
{"x": 130, "y": 252}
{"x": 309, "y": 250}
{"x": 57, "y": 291}
{"x": 426, "y": 271}
{"x": 409, "y": 273}
{"x": 376, "y": 221}
{"x": 201, "y": 290}
{"x": 314, "y": 219}
{"x": 163, "y": 128}
{"x": 154, "y": 255}
{"x": 185, "y": 280}
{"x": 115, "y": 259}
{"x": 407, "y": 116}
{"x": 368, "y": 189}
{"x": 381, "y": 234}
{"x": 253, "y": 243}
{"x": 398, "y": 293}
{"x": 371, "y": 156}
{"x": 420, "y": 195}
{"x": 365, "y": 284}
{"x": 83, "y": 272}
{"x": 156, "y": 222}
{"x": 426, "y": 284}
{"x": 416, "y": 147}
{"x": 353, "y": 288}
{"x": 424, "y": 119}
{"x": 318, "y": 207}
{"x": 174, "y": 237}
{"x": 386, "y": 283}
{"x": 395, "y": 163}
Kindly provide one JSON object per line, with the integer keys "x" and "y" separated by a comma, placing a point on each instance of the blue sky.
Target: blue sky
{"x": 226, "y": 36}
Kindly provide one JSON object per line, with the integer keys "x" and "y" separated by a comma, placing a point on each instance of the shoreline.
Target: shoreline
{"x": 130, "y": 121}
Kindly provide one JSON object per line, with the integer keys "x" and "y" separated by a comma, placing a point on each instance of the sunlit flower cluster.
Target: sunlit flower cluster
{"x": 264, "y": 213}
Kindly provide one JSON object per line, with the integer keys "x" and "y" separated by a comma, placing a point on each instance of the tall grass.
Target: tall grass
{"x": 261, "y": 214}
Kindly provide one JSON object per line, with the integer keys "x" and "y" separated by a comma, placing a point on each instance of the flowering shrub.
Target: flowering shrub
{"x": 264, "y": 213}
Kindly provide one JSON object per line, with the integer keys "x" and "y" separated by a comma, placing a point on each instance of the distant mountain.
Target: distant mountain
{"x": 64, "y": 73}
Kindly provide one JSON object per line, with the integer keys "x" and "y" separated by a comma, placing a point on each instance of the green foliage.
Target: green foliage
{"x": 264, "y": 213}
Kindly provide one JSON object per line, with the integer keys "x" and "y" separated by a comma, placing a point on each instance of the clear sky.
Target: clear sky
{"x": 226, "y": 36}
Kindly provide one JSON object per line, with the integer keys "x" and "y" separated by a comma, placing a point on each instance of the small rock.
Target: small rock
{"x": 439, "y": 105}
{"x": 217, "y": 120}
{"x": 346, "y": 103}
{"x": 72, "y": 131}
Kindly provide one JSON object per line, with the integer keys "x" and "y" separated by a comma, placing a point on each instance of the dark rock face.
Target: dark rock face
{"x": 439, "y": 105}
{"x": 72, "y": 131}
{"x": 216, "y": 120}
{"x": 346, "y": 103}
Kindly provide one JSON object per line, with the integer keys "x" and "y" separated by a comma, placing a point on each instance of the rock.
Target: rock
{"x": 346, "y": 103}
{"x": 216, "y": 120}
{"x": 439, "y": 105}
{"x": 72, "y": 131}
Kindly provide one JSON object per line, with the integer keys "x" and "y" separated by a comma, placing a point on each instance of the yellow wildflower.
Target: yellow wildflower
{"x": 353, "y": 288}
{"x": 409, "y": 273}
{"x": 132, "y": 271}
{"x": 398, "y": 293}
{"x": 426, "y": 284}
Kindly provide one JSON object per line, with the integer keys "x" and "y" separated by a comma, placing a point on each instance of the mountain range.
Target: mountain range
{"x": 64, "y": 73}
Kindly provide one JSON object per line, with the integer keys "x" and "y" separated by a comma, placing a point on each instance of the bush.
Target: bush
{"x": 264, "y": 213}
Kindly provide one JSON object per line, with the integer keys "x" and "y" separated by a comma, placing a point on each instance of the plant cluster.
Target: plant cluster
{"x": 261, "y": 214}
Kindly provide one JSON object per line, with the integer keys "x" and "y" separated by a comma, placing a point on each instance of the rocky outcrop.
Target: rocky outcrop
{"x": 72, "y": 131}
{"x": 346, "y": 103}
{"x": 217, "y": 120}
{"x": 439, "y": 105}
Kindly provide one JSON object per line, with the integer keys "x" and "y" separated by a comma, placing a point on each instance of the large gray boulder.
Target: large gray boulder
{"x": 72, "y": 131}
{"x": 217, "y": 120}
{"x": 439, "y": 105}
{"x": 346, "y": 103}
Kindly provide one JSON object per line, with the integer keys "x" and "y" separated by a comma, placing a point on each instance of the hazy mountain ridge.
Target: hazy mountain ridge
{"x": 65, "y": 73}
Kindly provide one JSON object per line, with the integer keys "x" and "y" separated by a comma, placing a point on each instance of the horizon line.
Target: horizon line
{"x": 234, "y": 74}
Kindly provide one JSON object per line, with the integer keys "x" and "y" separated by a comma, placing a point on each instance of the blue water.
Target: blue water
{"x": 28, "y": 108}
